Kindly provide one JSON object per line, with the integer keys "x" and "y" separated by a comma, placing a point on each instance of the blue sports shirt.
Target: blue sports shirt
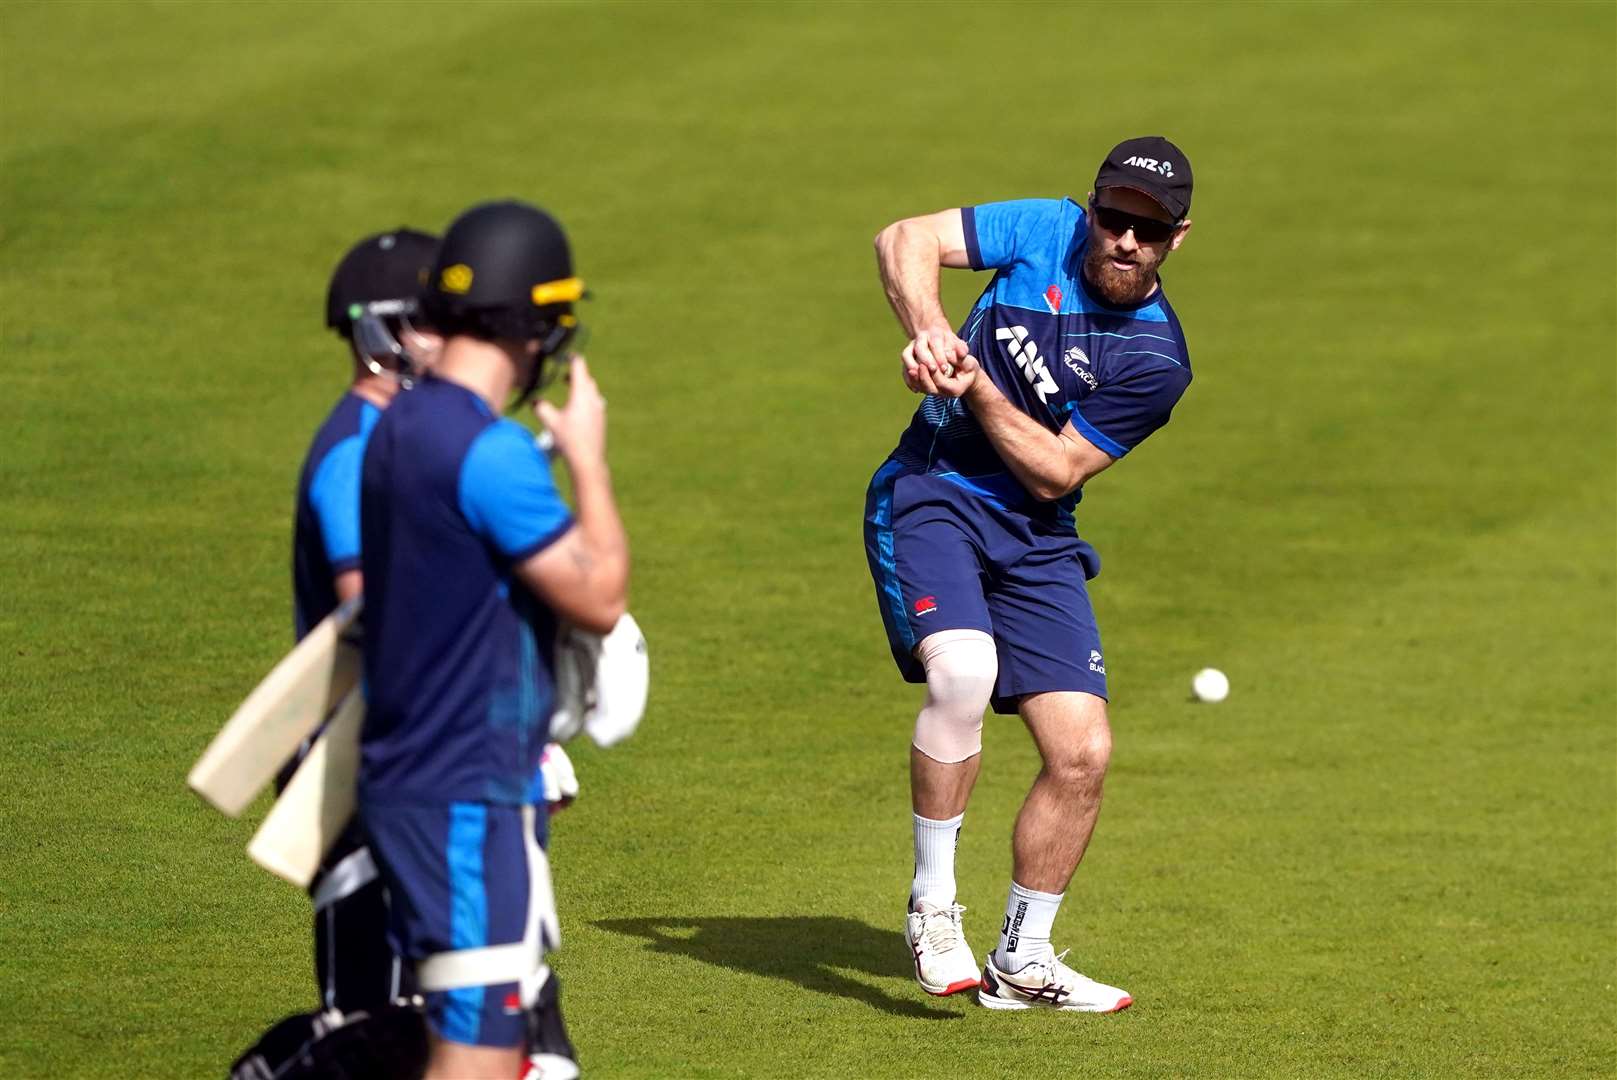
{"x": 458, "y": 668}
{"x": 325, "y": 535}
{"x": 1054, "y": 349}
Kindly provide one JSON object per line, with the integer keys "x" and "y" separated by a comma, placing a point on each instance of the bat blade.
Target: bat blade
{"x": 318, "y": 803}
{"x": 282, "y": 710}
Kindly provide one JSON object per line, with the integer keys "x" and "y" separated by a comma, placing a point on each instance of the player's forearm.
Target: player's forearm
{"x": 603, "y": 554}
{"x": 908, "y": 257}
{"x": 1036, "y": 455}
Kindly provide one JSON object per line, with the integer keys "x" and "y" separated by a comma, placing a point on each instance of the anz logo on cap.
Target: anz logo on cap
{"x": 1163, "y": 167}
{"x": 456, "y": 279}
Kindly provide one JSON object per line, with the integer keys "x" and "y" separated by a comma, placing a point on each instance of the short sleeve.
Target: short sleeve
{"x": 334, "y": 497}
{"x": 993, "y": 230}
{"x": 507, "y": 494}
{"x": 1118, "y": 416}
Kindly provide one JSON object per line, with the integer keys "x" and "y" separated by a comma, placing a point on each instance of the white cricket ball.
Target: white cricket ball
{"x": 1210, "y": 684}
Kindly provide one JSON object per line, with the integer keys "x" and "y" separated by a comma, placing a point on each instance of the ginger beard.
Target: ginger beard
{"x": 1120, "y": 285}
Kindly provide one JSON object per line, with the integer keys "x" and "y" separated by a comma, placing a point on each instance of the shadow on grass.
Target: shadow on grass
{"x": 805, "y": 949}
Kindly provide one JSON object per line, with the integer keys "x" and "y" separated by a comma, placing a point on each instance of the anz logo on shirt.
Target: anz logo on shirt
{"x": 1025, "y": 351}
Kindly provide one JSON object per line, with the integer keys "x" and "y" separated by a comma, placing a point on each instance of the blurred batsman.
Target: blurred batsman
{"x": 471, "y": 560}
{"x": 1069, "y": 359}
{"x": 371, "y": 304}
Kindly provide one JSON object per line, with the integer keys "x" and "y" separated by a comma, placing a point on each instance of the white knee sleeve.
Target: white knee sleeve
{"x": 961, "y": 666}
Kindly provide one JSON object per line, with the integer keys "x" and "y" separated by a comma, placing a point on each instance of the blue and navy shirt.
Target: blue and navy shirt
{"x": 1055, "y": 350}
{"x": 325, "y": 536}
{"x": 458, "y": 668}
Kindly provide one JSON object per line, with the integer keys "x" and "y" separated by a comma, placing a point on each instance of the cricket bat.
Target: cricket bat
{"x": 318, "y": 803}
{"x": 282, "y": 710}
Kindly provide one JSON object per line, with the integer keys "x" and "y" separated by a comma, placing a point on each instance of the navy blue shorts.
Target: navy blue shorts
{"x": 461, "y": 876}
{"x": 944, "y": 558}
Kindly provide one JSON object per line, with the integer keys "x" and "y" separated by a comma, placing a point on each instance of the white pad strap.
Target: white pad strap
{"x": 520, "y": 962}
{"x": 477, "y": 967}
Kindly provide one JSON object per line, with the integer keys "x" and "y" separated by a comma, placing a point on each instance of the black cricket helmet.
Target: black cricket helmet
{"x": 504, "y": 271}
{"x": 375, "y": 288}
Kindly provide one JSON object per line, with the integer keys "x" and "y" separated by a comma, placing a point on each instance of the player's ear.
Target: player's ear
{"x": 1179, "y": 235}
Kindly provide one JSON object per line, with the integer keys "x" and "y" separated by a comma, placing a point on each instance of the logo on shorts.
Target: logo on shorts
{"x": 512, "y": 1003}
{"x": 1052, "y": 296}
{"x": 926, "y": 605}
{"x": 1095, "y": 661}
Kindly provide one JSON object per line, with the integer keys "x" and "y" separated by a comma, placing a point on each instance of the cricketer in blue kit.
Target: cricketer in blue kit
{"x": 1069, "y": 359}
{"x": 371, "y": 305}
{"x": 471, "y": 557}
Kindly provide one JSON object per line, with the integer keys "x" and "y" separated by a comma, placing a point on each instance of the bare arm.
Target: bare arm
{"x": 909, "y": 254}
{"x": 584, "y": 576}
{"x": 1049, "y": 464}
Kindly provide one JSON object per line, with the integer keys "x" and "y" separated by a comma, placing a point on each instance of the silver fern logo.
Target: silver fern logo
{"x": 1078, "y": 364}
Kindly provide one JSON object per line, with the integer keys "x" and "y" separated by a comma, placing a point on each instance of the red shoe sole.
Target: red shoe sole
{"x": 956, "y": 987}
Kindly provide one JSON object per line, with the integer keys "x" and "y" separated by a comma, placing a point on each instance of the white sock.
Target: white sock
{"x": 1025, "y": 934}
{"x": 934, "y": 860}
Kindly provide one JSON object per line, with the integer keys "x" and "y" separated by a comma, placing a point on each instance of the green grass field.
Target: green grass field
{"x": 1387, "y": 507}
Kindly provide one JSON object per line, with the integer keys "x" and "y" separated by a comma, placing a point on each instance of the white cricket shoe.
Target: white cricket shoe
{"x": 944, "y": 963}
{"x": 1048, "y": 984}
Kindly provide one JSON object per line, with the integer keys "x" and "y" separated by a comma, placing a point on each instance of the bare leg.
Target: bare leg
{"x": 940, "y": 791}
{"x": 1053, "y": 829}
{"x": 457, "y": 1061}
{"x": 960, "y": 668}
{"x": 959, "y": 681}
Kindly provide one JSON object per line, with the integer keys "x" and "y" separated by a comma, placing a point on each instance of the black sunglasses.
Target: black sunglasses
{"x": 1146, "y": 230}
